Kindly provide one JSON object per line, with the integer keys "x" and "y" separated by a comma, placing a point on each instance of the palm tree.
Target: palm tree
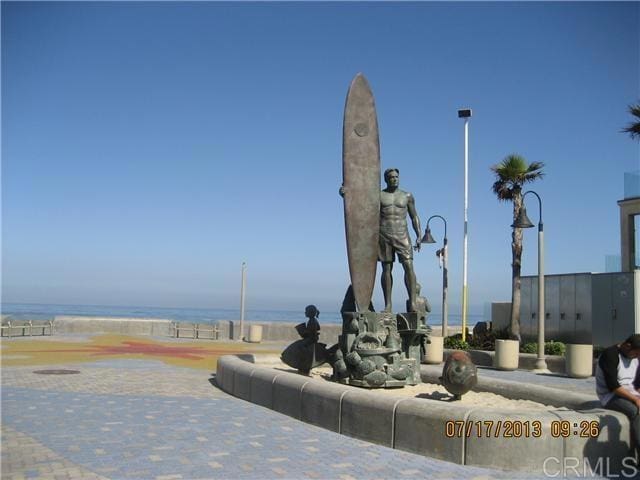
{"x": 633, "y": 128}
{"x": 511, "y": 174}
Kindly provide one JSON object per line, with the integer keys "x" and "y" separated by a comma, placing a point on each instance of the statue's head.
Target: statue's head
{"x": 311, "y": 311}
{"x": 392, "y": 177}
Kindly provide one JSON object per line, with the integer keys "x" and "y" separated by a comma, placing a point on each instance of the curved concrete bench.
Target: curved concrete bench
{"x": 521, "y": 391}
{"x": 418, "y": 425}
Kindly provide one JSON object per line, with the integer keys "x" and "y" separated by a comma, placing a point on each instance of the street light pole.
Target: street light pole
{"x": 242, "y": 289}
{"x": 466, "y": 114}
{"x": 445, "y": 272}
{"x": 523, "y": 222}
{"x": 541, "y": 363}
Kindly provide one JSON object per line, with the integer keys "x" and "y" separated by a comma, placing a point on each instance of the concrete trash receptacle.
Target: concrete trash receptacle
{"x": 255, "y": 333}
{"x": 579, "y": 360}
{"x": 507, "y": 354}
{"x": 434, "y": 351}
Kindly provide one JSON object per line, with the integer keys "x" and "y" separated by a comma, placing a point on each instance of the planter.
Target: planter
{"x": 507, "y": 354}
{"x": 434, "y": 351}
{"x": 255, "y": 333}
{"x": 579, "y": 360}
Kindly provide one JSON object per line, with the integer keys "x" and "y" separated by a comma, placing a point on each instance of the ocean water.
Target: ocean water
{"x": 36, "y": 311}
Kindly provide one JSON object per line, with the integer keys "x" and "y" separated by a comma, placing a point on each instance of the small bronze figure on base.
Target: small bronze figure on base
{"x": 306, "y": 353}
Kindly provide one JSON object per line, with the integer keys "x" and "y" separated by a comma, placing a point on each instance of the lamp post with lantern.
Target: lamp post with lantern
{"x": 428, "y": 238}
{"x": 522, "y": 221}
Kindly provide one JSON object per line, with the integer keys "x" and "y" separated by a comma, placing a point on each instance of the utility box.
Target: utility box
{"x": 597, "y": 308}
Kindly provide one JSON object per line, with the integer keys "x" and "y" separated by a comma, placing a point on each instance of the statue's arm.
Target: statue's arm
{"x": 415, "y": 220}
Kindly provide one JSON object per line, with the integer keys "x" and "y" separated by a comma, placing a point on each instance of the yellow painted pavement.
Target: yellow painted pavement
{"x": 183, "y": 353}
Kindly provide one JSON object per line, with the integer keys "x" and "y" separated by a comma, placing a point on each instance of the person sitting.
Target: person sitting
{"x": 617, "y": 381}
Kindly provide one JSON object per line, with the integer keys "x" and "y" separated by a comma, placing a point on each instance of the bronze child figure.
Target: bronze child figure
{"x": 306, "y": 353}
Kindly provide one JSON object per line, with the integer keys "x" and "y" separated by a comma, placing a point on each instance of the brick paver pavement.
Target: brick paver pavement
{"x": 138, "y": 419}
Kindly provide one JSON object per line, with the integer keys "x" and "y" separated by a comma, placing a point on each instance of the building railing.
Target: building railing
{"x": 632, "y": 184}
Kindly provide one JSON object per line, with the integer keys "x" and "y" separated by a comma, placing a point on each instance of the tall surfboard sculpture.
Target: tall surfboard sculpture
{"x": 361, "y": 181}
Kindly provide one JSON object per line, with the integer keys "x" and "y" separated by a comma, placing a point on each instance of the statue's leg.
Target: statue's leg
{"x": 387, "y": 284}
{"x": 410, "y": 283}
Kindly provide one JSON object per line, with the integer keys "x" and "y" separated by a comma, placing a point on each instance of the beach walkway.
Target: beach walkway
{"x": 139, "y": 408}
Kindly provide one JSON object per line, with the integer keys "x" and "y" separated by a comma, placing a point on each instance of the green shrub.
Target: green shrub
{"x": 502, "y": 334}
{"x": 554, "y": 348}
{"x": 455, "y": 342}
{"x": 550, "y": 348}
{"x": 487, "y": 341}
{"x": 530, "y": 347}
{"x": 452, "y": 338}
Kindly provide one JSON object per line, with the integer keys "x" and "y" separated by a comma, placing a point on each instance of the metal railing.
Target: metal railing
{"x": 195, "y": 330}
{"x": 23, "y": 329}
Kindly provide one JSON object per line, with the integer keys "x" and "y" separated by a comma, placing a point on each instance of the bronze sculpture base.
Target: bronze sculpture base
{"x": 373, "y": 353}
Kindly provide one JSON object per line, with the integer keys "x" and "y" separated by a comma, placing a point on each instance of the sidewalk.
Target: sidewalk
{"x": 139, "y": 416}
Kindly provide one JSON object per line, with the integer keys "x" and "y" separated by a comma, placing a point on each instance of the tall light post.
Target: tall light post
{"x": 242, "y": 289}
{"x": 523, "y": 222}
{"x": 428, "y": 238}
{"x": 466, "y": 114}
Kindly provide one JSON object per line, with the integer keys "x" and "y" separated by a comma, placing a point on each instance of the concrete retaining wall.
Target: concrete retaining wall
{"x": 419, "y": 425}
{"x": 124, "y": 326}
{"x": 228, "y": 329}
{"x": 276, "y": 331}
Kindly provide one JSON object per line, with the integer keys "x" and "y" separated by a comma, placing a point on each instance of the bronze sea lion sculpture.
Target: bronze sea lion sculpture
{"x": 459, "y": 374}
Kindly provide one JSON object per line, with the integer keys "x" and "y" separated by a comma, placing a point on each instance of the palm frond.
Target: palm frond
{"x": 511, "y": 166}
{"x": 534, "y": 166}
{"x": 633, "y": 128}
{"x": 502, "y": 190}
{"x": 511, "y": 173}
{"x": 534, "y": 172}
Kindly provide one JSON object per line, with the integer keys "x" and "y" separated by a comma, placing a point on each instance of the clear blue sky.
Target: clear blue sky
{"x": 149, "y": 148}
